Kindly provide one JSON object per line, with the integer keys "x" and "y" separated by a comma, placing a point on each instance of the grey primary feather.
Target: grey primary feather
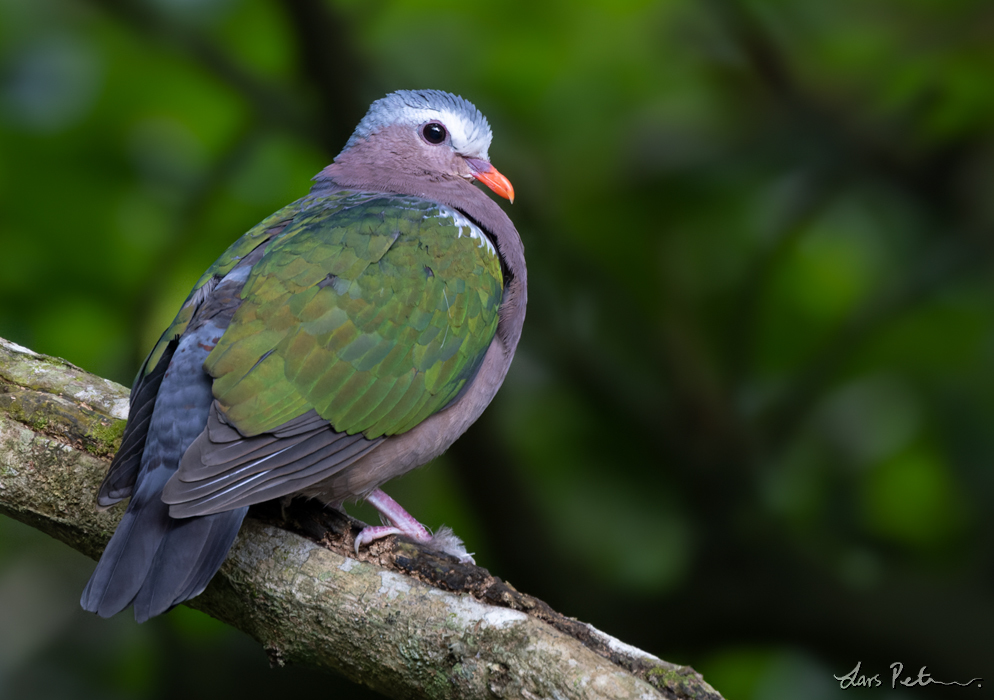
{"x": 224, "y": 469}
{"x": 120, "y": 479}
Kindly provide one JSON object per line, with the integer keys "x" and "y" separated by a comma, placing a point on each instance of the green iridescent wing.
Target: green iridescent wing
{"x": 375, "y": 311}
{"x": 254, "y": 237}
{"x": 123, "y": 471}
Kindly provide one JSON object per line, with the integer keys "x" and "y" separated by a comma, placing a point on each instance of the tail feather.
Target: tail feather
{"x": 125, "y": 563}
{"x": 154, "y": 560}
{"x": 187, "y": 559}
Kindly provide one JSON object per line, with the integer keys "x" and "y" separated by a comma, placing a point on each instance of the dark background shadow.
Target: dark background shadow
{"x": 749, "y": 424}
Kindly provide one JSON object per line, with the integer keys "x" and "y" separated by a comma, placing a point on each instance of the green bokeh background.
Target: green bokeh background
{"x": 749, "y": 423}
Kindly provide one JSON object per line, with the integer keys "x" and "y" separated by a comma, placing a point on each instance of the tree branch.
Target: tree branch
{"x": 406, "y": 622}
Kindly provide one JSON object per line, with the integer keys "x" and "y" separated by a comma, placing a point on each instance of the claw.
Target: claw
{"x": 403, "y": 523}
{"x": 375, "y": 532}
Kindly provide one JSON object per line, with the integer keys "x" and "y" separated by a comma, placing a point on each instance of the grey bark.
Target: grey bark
{"x": 406, "y": 622}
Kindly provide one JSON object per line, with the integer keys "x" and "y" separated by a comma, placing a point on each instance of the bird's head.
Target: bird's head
{"x": 429, "y": 133}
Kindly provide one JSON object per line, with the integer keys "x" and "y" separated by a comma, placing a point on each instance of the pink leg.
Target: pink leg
{"x": 403, "y": 523}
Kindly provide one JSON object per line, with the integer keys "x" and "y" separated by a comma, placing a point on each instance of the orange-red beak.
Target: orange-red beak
{"x": 489, "y": 176}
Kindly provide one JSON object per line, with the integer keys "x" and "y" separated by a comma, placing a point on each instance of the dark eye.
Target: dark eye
{"x": 433, "y": 132}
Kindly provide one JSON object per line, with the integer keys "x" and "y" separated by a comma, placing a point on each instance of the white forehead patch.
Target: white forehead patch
{"x": 467, "y": 127}
{"x": 467, "y": 138}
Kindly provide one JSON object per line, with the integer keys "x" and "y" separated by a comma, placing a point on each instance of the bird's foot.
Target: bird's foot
{"x": 403, "y": 523}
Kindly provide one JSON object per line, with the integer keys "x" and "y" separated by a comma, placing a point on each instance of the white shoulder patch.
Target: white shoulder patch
{"x": 467, "y": 226}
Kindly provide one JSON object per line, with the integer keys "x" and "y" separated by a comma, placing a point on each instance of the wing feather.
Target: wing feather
{"x": 374, "y": 312}
{"x": 224, "y": 469}
{"x": 367, "y": 314}
{"x": 123, "y": 472}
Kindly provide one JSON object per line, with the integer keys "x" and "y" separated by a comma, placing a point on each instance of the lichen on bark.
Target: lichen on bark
{"x": 402, "y": 620}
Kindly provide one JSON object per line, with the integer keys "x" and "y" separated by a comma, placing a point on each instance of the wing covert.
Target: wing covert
{"x": 267, "y": 228}
{"x": 374, "y": 312}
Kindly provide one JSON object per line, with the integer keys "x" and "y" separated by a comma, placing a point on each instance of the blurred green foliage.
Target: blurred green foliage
{"x": 748, "y": 427}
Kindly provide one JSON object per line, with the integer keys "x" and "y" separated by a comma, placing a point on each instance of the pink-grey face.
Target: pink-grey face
{"x": 451, "y": 133}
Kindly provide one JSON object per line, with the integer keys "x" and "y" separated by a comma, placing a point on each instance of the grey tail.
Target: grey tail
{"x": 156, "y": 561}
{"x": 153, "y": 560}
{"x": 187, "y": 560}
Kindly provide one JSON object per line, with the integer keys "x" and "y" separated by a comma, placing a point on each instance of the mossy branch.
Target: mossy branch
{"x": 404, "y": 621}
